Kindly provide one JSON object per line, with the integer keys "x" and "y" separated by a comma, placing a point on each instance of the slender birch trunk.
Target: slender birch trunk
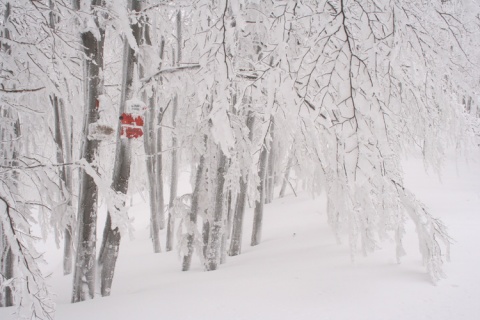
{"x": 121, "y": 171}
{"x": 270, "y": 183}
{"x": 68, "y": 249}
{"x": 174, "y": 176}
{"x": 237, "y": 231}
{"x": 84, "y": 273}
{"x": 149, "y": 145}
{"x": 159, "y": 158}
{"x": 173, "y": 179}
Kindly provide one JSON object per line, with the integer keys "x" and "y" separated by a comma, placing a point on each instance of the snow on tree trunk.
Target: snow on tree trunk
{"x": 174, "y": 167}
{"x": 270, "y": 180}
{"x": 173, "y": 179}
{"x": 286, "y": 176}
{"x": 7, "y": 267}
{"x": 258, "y": 212}
{"x": 159, "y": 159}
{"x": 159, "y": 173}
{"x": 10, "y": 132}
{"x": 150, "y": 146}
{"x": 65, "y": 183}
{"x": 238, "y": 217}
{"x": 84, "y": 274}
{"x": 121, "y": 171}
{"x": 63, "y": 148}
{"x": 187, "y": 258}
{"x": 213, "y": 253}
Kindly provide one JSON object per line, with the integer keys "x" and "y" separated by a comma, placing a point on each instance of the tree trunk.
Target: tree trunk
{"x": 62, "y": 150}
{"x": 150, "y": 146}
{"x": 148, "y": 143}
{"x": 174, "y": 176}
{"x": 187, "y": 259}
{"x": 173, "y": 179}
{"x": 205, "y": 237}
{"x": 216, "y": 229}
{"x": 84, "y": 274}
{"x": 237, "y": 231}
{"x": 7, "y": 259}
{"x": 258, "y": 212}
{"x": 121, "y": 171}
{"x": 64, "y": 185}
{"x": 159, "y": 159}
{"x": 68, "y": 250}
{"x": 286, "y": 177}
{"x": 270, "y": 183}
{"x": 8, "y": 271}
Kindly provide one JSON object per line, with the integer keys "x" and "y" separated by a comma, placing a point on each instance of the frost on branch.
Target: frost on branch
{"x": 432, "y": 235}
{"x": 373, "y": 79}
{"x": 31, "y": 293}
{"x": 115, "y": 201}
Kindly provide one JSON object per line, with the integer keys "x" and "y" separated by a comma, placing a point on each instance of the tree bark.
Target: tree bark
{"x": 258, "y": 212}
{"x": 9, "y": 273}
{"x": 174, "y": 176}
{"x": 159, "y": 159}
{"x": 84, "y": 274}
{"x": 150, "y": 147}
{"x": 187, "y": 259}
{"x": 62, "y": 150}
{"x": 121, "y": 172}
{"x": 65, "y": 183}
{"x": 216, "y": 229}
{"x": 286, "y": 177}
{"x": 173, "y": 179}
{"x": 270, "y": 183}
{"x": 205, "y": 237}
{"x": 237, "y": 231}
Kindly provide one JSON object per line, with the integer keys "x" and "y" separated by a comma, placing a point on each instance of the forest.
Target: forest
{"x": 102, "y": 100}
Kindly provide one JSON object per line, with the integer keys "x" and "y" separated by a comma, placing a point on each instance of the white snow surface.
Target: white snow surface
{"x": 298, "y": 271}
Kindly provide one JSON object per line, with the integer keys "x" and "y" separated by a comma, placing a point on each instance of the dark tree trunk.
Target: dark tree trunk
{"x": 121, "y": 171}
{"x": 8, "y": 270}
{"x": 84, "y": 274}
{"x": 205, "y": 237}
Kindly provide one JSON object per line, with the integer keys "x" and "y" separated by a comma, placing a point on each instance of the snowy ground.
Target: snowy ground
{"x": 299, "y": 271}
